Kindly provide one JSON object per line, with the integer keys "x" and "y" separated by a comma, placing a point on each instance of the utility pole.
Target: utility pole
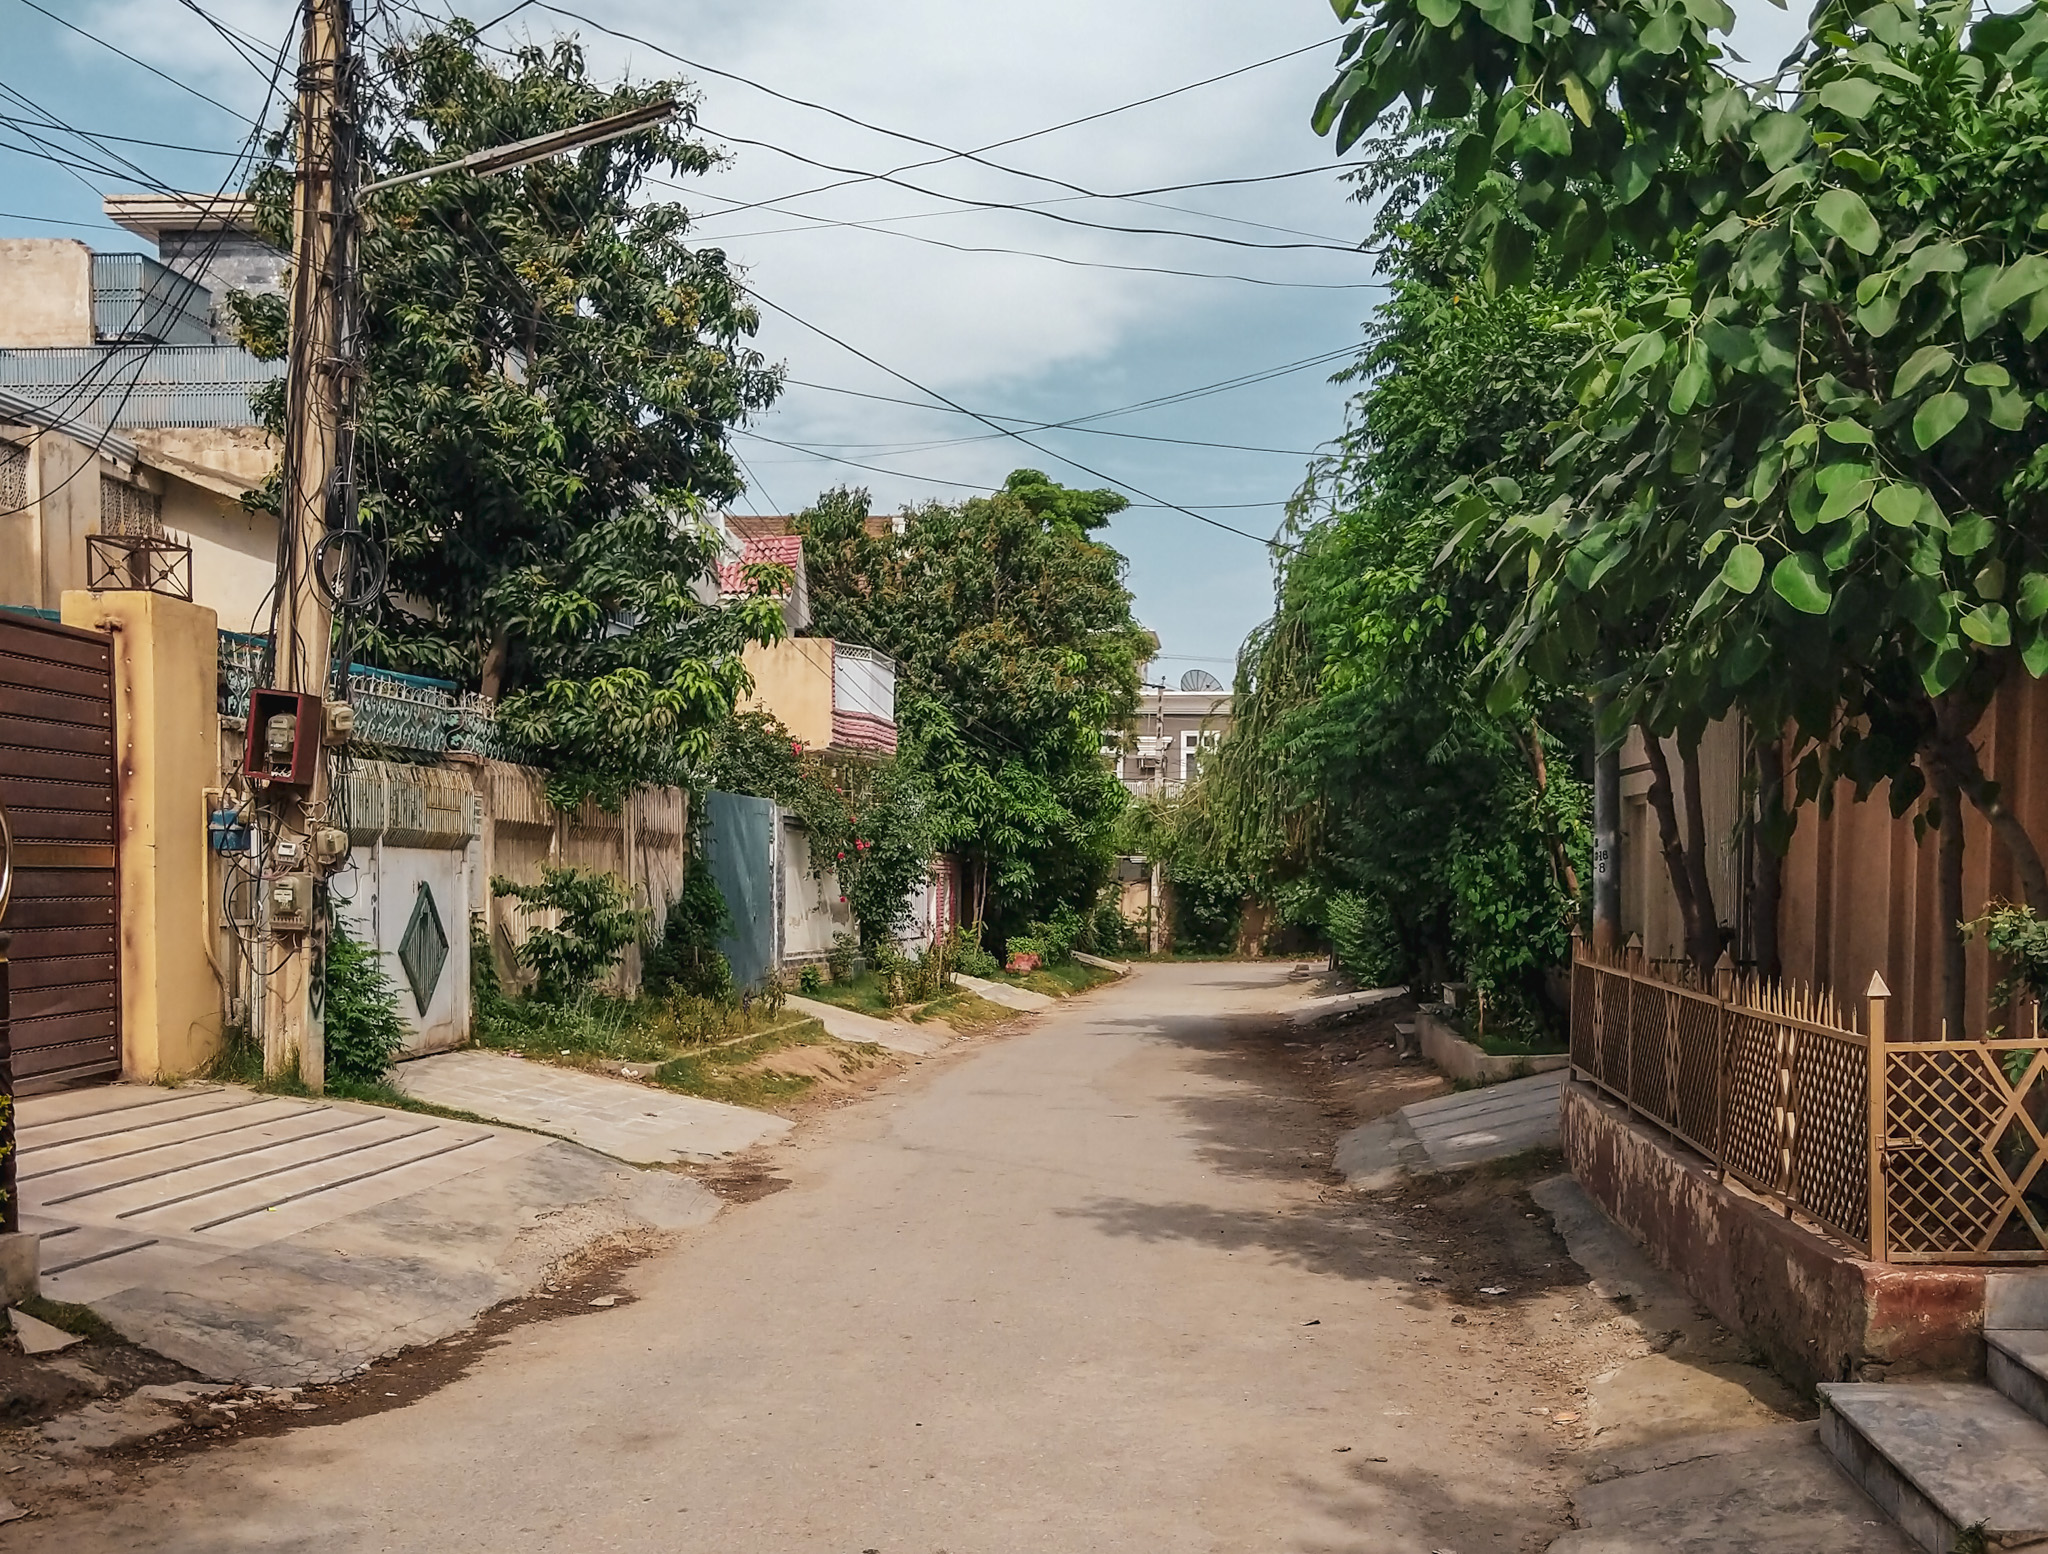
{"x": 318, "y": 497}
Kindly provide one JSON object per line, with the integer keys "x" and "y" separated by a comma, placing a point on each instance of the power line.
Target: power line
{"x": 1028, "y": 253}
{"x": 1034, "y": 210}
{"x": 145, "y": 64}
{"x": 134, "y": 140}
{"x": 1085, "y": 469}
{"x": 1030, "y": 426}
{"x": 951, "y": 153}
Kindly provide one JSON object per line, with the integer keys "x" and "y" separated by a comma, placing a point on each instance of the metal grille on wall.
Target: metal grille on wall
{"x": 399, "y": 711}
{"x": 134, "y": 387}
{"x": 126, "y": 509}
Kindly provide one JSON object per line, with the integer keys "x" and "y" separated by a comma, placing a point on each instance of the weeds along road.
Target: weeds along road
{"x": 1087, "y": 1288}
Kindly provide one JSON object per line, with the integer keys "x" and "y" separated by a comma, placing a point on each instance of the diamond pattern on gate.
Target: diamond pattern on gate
{"x": 1831, "y": 1159}
{"x": 1951, "y": 1148}
{"x": 1586, "y": 987}
{"x": 1614, "y": 1017}
{"x": 424, "y": 949}
{"x": 1649, "y": 1079}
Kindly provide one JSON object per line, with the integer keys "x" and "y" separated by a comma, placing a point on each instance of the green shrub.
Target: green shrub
{"x": 810, "y": 981}
{"x": 365, "y": 1032}
{"x": 597, "y": 922}
{"x": 845, "y": 946}
{"x": 686, "y": 958}
{"x": 1363, "y": 939}
{"x": 965, "y": 954}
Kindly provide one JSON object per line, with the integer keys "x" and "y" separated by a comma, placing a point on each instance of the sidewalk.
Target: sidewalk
{"x": 636, "y": 1123}
{"x": 285, "y": 1242}
{"x": 841, "y": 1024}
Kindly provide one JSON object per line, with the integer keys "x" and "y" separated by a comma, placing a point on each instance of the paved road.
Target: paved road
{"x": 1054, "y": 1296}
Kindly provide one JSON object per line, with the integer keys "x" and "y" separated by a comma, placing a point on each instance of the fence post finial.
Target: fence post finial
{"x": 1876, "y": 1084}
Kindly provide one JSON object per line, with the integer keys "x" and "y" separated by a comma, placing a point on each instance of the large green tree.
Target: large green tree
{"x": 1015, "y": 647}
{"x": 552, "y": 372}
{"x": 1808, "y": 452}
{"x": 1367, "y": 782}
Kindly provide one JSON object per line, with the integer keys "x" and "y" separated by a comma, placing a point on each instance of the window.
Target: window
{"x": 126, "y": 509}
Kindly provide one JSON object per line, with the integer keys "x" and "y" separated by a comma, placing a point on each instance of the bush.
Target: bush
{"x": 1106, "y": 931}
{"x": 365, "y": 1031}
{"x": 597, "y": 922}
{"x": 845, "y": 946}
{"x": 1363, "y": 939}
{"x": 1051, "y": 940}
{"x": 810, "y": 981}
{"x": 965, "y": 954}
{"x": 686, "y": 958}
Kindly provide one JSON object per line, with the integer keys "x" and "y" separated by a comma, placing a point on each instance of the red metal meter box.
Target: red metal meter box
{"x": 284, "y": 737}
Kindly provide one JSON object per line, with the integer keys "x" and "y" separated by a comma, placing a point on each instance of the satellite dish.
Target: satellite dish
{"x": 1200, "y": 680}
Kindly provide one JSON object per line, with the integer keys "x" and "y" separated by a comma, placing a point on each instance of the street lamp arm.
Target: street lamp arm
{"x": 519, "y": 153}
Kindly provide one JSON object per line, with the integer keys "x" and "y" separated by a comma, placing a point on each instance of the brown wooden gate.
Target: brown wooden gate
{"x": 57, "y": 780}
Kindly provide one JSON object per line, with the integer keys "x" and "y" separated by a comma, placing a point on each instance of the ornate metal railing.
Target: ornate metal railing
{"x": 399, "y": 711}
{"x": 1774, "y": 1085}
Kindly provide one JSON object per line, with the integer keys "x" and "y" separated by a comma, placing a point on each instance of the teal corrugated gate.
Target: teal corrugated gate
{"x": 739, "y": 844}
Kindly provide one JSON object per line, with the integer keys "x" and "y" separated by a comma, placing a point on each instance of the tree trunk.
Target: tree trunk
{"x": 1663, "y": 804}
{"x": 1767, "y": 868}
{"x": 1959, "y": 758}
{"x": 1706, "y": 950}
{"x": 496, "y": 657}
{"x": 1606, "y": 841}
{"x": 1560, "y": 859}
{"x": 1948, "y": 873}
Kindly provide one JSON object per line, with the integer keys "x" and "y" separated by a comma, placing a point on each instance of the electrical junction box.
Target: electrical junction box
{"x": 341, "y": 722}
{"x": 291, "y": 903}
{"x": 285, "y": 730}
{"x": 228, "y": 830}
{"x": 330, "y": 845}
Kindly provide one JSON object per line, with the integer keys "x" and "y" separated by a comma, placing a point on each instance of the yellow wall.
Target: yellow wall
{"x": 793, "y": 681}
{"x": 45, "y": 292}
{"x": 166, "y": 730}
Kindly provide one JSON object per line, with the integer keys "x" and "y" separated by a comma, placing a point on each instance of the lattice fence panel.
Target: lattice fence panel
{"x": 1587, "y": 990}
{"x": 1696, "y": 1111}
{"x": 1614, "y": 1018}
{"x": 1750, "y": 1143}
{"x": 1831, "y": 1141}
{"x": 1963, "y": 1156}
{"x": 1649, "y": 1081}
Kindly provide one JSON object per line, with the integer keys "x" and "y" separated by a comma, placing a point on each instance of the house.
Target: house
{"x": 836, "y": 699}
{"x": 128, "y": 422}
{"x": 1162, "y": 750}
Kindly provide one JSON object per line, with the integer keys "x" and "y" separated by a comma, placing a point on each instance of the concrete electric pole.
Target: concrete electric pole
{"x": 289, "y": 731}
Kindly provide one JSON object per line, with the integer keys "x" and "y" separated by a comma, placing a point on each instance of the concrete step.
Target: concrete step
{"x": 1942, "y": 1458}
{"x": 2018, "y": 1366}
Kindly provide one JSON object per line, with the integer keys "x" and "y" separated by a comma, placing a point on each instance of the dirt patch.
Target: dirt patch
{"x": 34, "y": 1388}
{"x": 837, "y": 1065}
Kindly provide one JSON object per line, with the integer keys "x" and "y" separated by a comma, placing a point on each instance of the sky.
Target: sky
{"x": 1075, "y": 322}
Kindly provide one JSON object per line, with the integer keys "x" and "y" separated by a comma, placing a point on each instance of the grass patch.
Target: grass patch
{"x": 82, "y": 1320}
{"x": 1514, "y": 1041}
{"x": 1058, "y": 981}
{"x": 963, "y": 1010}
{"x": 728, "y": 1073}
{"x": 866, "y": 993}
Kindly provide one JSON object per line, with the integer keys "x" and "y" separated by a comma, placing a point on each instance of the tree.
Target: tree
{"x": 1811, "y": 441}
{"x": 1366, "y": 782}
{"x": 552, "y": 373}
{"x": 1015, "y": 650}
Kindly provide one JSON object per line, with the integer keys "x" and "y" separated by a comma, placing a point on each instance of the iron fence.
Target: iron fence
{"x": 1775, "y": 1086}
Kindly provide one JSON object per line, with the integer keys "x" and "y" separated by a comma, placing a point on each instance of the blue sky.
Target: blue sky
{"x": 1008, "y": 335}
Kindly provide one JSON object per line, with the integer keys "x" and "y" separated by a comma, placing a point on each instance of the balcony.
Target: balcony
{"x": 141, "y": 387}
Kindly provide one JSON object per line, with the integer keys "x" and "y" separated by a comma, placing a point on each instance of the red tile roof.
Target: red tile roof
{"x": 771, "y": 549}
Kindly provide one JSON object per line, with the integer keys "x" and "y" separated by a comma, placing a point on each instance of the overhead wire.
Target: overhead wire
{"x": 1274, "y": 543}
{"x": 143, "y": 63}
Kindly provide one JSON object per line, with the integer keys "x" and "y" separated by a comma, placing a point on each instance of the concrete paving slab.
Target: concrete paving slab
{"x": 1333, "y": 1006}
{"x": 630, "y": 1122}
{"x": 851, "y": 1025}
{"x": 299, "y": 1263}
{"x": 1452, "y": 1132}
{"x": 39, "y": 1337}
{"x": 1473, "y": 1126}
{"x": 1765, "y": 1491}
{"x": 1002, "y": 993}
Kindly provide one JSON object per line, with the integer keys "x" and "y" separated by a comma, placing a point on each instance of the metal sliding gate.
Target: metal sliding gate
{"x": 57, "y": 783}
